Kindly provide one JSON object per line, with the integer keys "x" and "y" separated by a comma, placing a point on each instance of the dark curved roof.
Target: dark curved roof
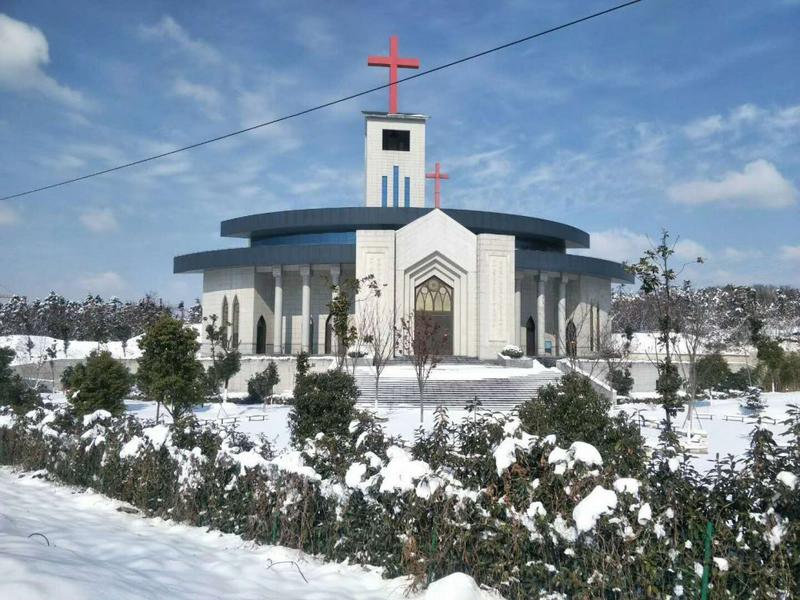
{"x": 353, "y": 218}
{"x": 264, "y": 256}
{"x": 572, "y": 263}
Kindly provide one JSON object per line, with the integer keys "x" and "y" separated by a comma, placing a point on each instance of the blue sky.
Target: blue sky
{"x": 676, "y": 114}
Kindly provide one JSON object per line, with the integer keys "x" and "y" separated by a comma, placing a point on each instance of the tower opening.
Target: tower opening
{"x": 397, "y": 139}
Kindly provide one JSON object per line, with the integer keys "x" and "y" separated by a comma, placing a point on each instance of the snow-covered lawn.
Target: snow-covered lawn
{"x": 98, "y": 552}
{"x": 724, "y": 437}
{"x": 401, "y": 420}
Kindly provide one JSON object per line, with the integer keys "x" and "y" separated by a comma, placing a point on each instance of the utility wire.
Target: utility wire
{"x": 326, "y": 104}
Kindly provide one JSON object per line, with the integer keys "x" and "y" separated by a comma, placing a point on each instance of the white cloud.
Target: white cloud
{"x": 740, "y": 117}
{"x": 790, "y": 252}
{"x": 622, "y": 244}
{"x": 740, "y": 254}
{"x": 7, "y": 215}
{"x": 170, "y": 30}
{"x": 315, "y": 34}
{"x": 758, "y": 185}
{"x": 104, "y": 283}
{"x": 99, "y": 221}
{"x": 23, "y": 54}
{"x": 704, "y": 127}
{"x": 206, "y": 96}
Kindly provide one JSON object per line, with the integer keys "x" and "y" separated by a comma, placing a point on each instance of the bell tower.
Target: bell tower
{"x": 394, "y": 152}
{"x": 394, "y": 146}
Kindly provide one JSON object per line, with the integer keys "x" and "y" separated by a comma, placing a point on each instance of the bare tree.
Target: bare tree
{"x": 657, "y": 276}
{"x": 375, "y": 326}
{"x": 422, "y": 339}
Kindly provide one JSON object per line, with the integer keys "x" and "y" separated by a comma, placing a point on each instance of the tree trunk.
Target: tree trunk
{"x": 421, "y": 405}
{"x": 158, "y": 411}
{"x": 377, "y": 380}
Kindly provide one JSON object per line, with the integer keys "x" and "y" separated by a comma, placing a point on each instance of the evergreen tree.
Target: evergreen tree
{"x": 101, "y": 382}
{"x": 169, "y": 372}
{"x": 323, "y": 403}
{"x": 226, "y": 360}
{"x": 13, "y": 391}
{"x": 261, "y": 385}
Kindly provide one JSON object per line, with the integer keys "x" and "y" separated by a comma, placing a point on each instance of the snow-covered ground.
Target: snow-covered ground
{"x": 724, "y": 437}
{"x": 95, "y": 551}
{"x": 77, "y": 349}
{"x": 402, "y": 420}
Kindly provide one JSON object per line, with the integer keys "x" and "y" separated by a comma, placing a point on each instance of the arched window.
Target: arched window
{"x": 530, "y": 337}
{"x": 235, "y": 324}
{"x": 261, "y": 336}
{"x": 434, "y": 296}
{"x": 572, "y": 340}
{"x": 223, "y": 325}
{"x": 329, "y": 335}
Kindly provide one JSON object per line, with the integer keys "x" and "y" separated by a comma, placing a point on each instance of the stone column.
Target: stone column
{"x": 277, "y": 327}
{"x": 305, "y": 273}
{"x": 517, "y": 309}
{"x": 541, "y": 315}
{"x": 336, "y": 271}
{"x": 562, "y": 316}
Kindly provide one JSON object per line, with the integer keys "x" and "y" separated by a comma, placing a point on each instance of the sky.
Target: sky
{"x": 676, "y": 114}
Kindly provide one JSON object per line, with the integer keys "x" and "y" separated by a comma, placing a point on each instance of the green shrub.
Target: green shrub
{"x": 323, "y": 403}
{"x": 620, "y": 379}
{"x": 711, "y": 371}
{"x": 303, "y": 364}
{"x": 261, "y": 385}
{"x": 574, "y": 411}
{"x": 739, "y": 380}
{"x": 13, "y": 391}
{"x": 101, "y": 382}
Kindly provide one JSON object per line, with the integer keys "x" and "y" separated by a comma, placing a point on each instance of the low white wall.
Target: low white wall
{"x": 645, "y": 372}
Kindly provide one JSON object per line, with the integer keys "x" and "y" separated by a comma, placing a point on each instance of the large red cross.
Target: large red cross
{"x": 437, "y": 176}
{"x": 394, "y": 62}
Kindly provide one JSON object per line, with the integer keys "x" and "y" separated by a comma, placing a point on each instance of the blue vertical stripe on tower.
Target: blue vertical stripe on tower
{"x": 395, "y": 186}
{"x": 384, "y": 195}
{"x": 407, "y": 192}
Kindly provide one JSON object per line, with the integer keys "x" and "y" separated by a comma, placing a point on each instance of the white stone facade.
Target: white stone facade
{"x": 493, "y": 302}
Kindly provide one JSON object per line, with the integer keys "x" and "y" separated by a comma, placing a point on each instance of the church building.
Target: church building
{"x": 489, "y": 279}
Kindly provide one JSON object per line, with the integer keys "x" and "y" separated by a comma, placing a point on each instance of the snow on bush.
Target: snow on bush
{"x": 456, "y": 586}
{"x": 512, "y": 351}
{"x": 401, "y": 473}
{"x": 485, "y": 496}
{"x": 787, "y": 479}
{"x": 598, "y": 503}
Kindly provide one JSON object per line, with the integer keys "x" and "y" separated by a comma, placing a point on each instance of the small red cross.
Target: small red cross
{"x": 393, "y": 61}
{"x": 437, "y": 175}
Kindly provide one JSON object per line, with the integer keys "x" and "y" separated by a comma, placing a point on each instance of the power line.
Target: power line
{"x": 326, "y": 104}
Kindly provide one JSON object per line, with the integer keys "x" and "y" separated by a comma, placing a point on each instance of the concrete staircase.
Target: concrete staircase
{"x": 496, "y": 392}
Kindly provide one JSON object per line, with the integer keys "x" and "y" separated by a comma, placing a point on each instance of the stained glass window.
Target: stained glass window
{"x": 434, "y": 296}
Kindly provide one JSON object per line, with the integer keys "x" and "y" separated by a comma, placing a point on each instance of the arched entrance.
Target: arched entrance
{"x": 572, "y": 340}
{"x": 433, "y": 300}
{"x": 261, "y": 336}
{"x": 530, "y": 337}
